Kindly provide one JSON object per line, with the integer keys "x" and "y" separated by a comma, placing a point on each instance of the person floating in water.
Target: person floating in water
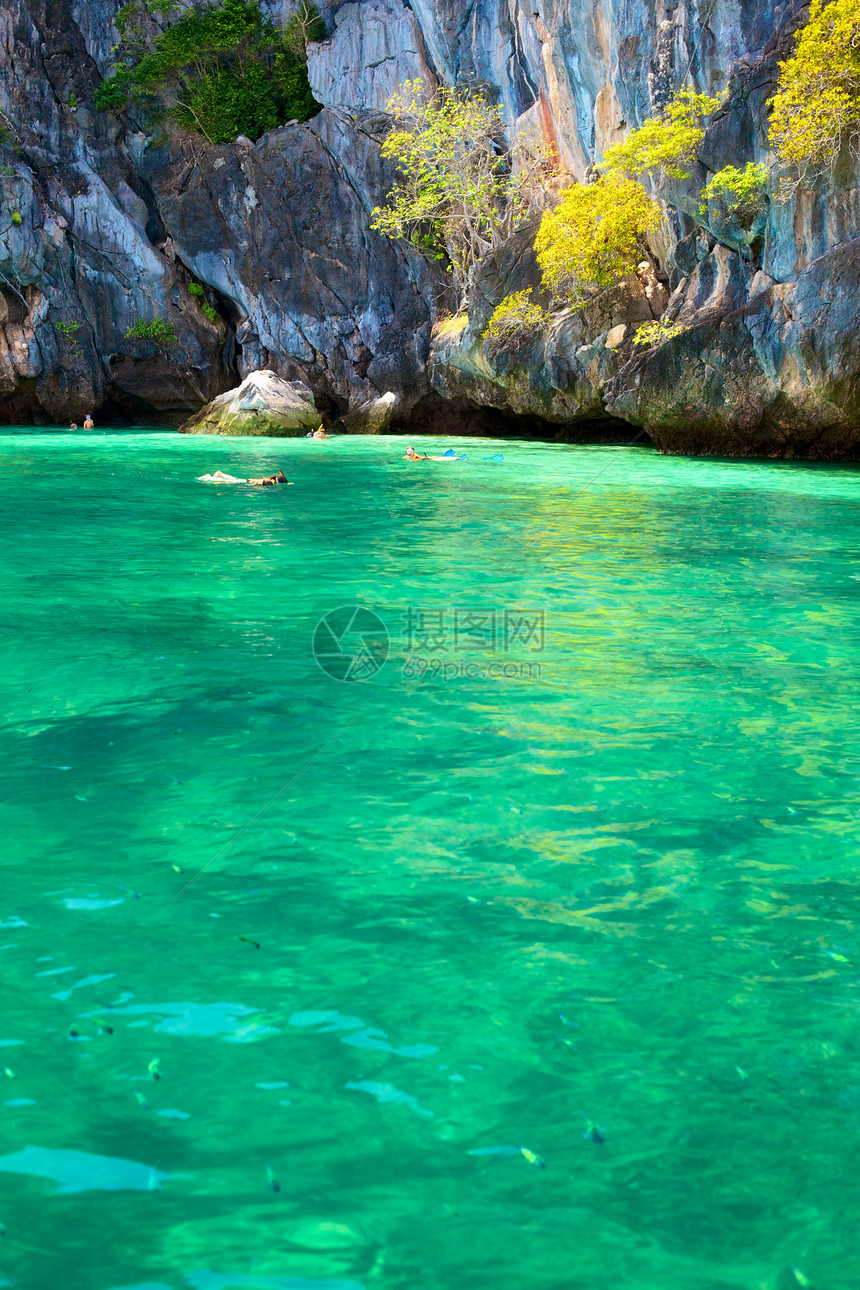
{"x": 280, "y": 478}
{"x": 89, "y": 424}
{"x": 319, "y": 433}
{"x": 220, "y": 478}
{"x": 450, "y": 455}
{"x": 73, "y": 426}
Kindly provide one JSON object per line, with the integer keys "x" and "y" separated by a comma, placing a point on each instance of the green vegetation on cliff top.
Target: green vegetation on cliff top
{"x": 217, "y": 70}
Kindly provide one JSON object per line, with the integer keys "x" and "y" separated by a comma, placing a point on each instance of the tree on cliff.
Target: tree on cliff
{"x": 598, "y": 232}
{"x": 460, "y": 191}
{"x": 218, "y": 70}
{"x": 594, "y": 237}
{"x": 816, "y": 108}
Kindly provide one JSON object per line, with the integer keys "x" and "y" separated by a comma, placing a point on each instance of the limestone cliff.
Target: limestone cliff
{"x": 103, "y": 223}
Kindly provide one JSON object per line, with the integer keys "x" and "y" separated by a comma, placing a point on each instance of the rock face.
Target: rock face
{"x": 373, "y": 418}
{"x": 103, "y": 224}
{"x": 264, "y": 404}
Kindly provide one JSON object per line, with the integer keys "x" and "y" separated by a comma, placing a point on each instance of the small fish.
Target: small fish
{"x": 593, "y": 1132}
{"x": 154, "y": 1068}
{"x": 800, "y": 1278}
{"x": 141, "y": 1100}
{"x": 135, "y": 895}
{"x": 106, "y": 1030}
{"x": 274, "y": 1185}
{"x": 176, "y": 869}
{"x": 741, "y": 1072}
{"x": 837, "y": 958}
{"x": 256, "y": 944}
{"x": 507, "y": 1150}
{"x": 80, "y": 799}
{"x": 9, "y": 1073}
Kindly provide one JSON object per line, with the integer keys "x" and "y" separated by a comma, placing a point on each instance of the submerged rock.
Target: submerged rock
{"x": 263, "y": 404}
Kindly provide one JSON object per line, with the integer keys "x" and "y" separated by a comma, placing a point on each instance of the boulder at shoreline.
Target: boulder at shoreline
{"x": 264, "y": 404}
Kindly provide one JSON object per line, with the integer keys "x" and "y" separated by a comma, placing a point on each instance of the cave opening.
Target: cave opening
{"x": 436, "y": 416}
{"x": 13, "y": 307}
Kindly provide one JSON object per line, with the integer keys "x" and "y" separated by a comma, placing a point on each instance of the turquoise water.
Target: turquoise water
{"x": 293, "y": 967}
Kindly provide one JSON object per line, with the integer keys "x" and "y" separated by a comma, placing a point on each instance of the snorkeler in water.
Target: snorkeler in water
{"x": 220, "y": 478}
{"x": 450, "y": 455}
{"x": 280, "y": 478}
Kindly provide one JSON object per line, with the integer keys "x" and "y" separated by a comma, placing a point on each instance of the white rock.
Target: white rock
{"x": 264, "y": 404}
{"x": 761, "y": 282}
{"x": 371, "y": 418}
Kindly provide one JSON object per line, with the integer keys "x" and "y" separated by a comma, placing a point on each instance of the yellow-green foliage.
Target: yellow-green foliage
{"x": 817, "y": 103}
{"x": 517, "y": 316}
{"x": 458, "y": 193}
{"x": 594, "y": 236}
{"x": 739, "y": 194}
{"x": 654, "y": 333}
{"x": 450, "y": 328}
{"x": 668, "y": 142}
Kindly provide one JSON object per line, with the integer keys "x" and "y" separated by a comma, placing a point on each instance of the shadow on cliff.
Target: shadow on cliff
{"x": 434, "y": 415}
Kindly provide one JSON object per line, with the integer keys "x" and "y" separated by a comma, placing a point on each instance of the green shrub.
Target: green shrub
{"x": 69, "y": 331}
{"x": 195, "y": 289}
{"x": 516, "y": 317}
{"x": 291, "y": 62}
{"x": 668, "y": 142}
{"x": 738, "y": 194}
{"x": 73, "y": 102}
{"x": 225, "y": 68}
{"x": 211, "y": 313}
{"x": 655, "y": 333}
{"x": 817, "y": 102}
{"x": 113, "y": 93}
{"x": 594, "y": 237}
{"x": 221, "y": 106}
{"x": 17, "y": 218}
{"x": 156, "y": 329}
